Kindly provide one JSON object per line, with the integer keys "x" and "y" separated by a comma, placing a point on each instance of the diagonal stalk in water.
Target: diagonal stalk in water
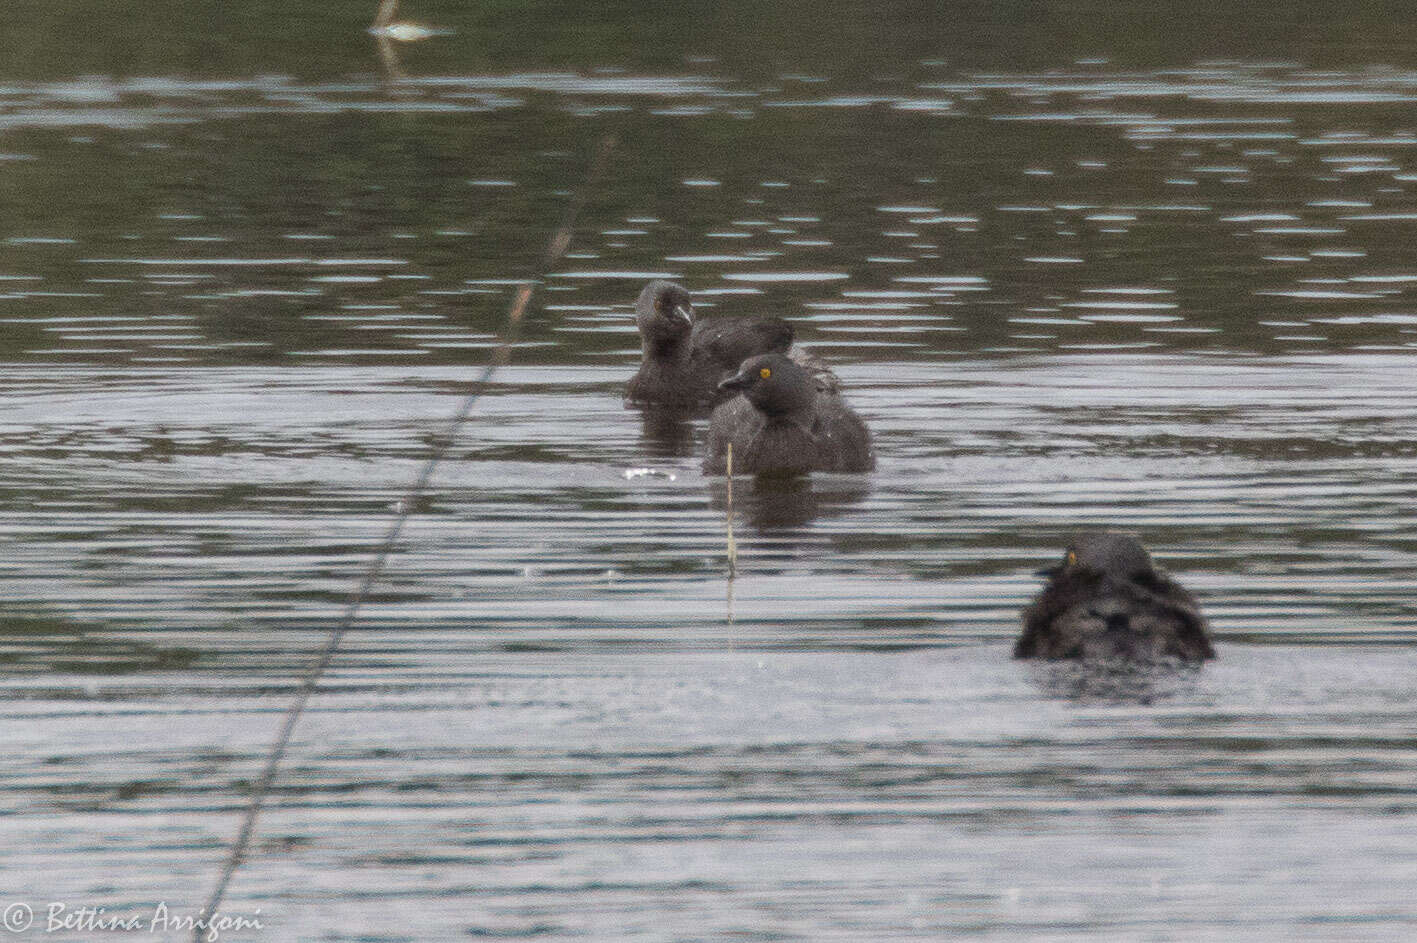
{"x": 557, "y": 247}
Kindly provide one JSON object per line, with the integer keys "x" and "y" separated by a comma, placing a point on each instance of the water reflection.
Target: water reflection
{"x": 1115, "y": 683}
{"x": 775, "y": 503}
{"x": 394, "y": 73}
{"x": 386, "y": 32}
{"x": 1281, "y": 232}
{"x": 46, "y": 644}
{"x": 667, "y": 431}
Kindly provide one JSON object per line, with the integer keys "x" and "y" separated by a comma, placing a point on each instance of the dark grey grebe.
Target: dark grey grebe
{"x": 1107, "y": 601}
{"x": 684, "y": 360}
{"x": 788, "y": 421}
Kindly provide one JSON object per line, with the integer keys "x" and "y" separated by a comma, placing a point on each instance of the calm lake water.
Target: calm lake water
{"x": 1080, "y": 268}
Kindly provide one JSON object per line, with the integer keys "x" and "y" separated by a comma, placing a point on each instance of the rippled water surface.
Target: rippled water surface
{"x": 1157, "y": 277}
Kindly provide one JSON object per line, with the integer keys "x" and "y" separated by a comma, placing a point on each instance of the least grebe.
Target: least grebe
{"x": 685, "y": 359}
{"x": 788, "y": 421}
{"x": 1108, "y": 601}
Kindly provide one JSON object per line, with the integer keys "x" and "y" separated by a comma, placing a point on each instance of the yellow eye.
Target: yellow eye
{"x": 1072, "y": 558}
{"x": 765, "y": 373}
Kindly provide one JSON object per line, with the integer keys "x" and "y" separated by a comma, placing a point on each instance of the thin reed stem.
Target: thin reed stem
{"x": 728, "y": 514}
